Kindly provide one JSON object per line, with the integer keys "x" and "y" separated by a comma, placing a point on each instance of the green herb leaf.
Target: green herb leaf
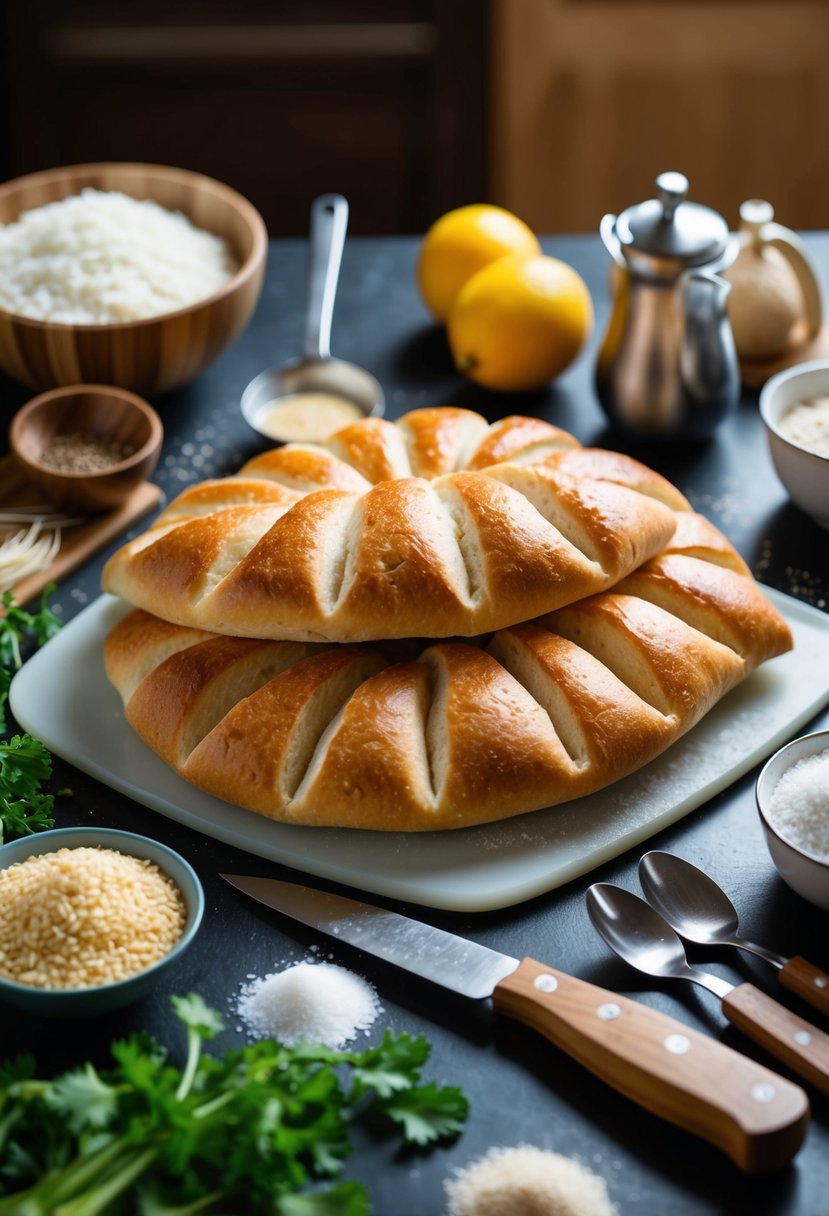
{"x": 83, "y": 1099}
{"x": 21, "y": 1068}
{"x": 347, "y": 1199}
{"x": 428, "y": 1113}
{"x": 5, "y": 682}
{"x": 250, "y": 1130}
{"x": 198, "y": 1016}
{"x": 24, "y": 762}
{"x": 24, "y": 765}
{"x": 392, "y": 1066}
{"x": 18, "y": 627}
{"x": 44, "y": 624}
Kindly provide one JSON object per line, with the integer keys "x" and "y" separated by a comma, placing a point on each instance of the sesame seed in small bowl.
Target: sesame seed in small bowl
{"x": 86, "y": 447}
{"x": 793, "y": 801}
{"x": 90, "y": 918}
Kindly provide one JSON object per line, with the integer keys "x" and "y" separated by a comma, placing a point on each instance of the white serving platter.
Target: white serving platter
{"x": 62, "y": 696}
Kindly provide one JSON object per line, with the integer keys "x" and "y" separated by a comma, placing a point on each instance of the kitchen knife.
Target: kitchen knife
{"x": 754, "y": 1116}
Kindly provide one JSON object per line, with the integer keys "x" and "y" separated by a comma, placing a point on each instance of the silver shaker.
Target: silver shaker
{"x": 667, "y": 368}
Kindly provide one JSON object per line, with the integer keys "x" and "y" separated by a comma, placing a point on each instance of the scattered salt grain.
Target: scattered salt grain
{"x": 309, "y": 1003}
{"x": 799, "y": 805}
{"x": 527, "y": 1181}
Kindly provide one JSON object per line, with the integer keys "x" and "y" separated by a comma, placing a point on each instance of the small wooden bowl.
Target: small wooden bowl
{"x": 160, "y": 353}
{"x": 94, "y": 410}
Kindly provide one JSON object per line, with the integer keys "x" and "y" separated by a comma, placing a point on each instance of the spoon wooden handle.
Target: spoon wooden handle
{"x": 807, "y": 981}
{"x": 787, "y": 1037}
{"x": 754, "y": 1116}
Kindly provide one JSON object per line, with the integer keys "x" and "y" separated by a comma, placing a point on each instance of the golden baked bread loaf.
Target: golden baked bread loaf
{"x": 463, "y": 733}
{"x": 438, "y": 525}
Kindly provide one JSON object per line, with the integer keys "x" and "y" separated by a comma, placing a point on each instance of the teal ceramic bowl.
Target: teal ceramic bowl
{"x": 83, "y": 1002}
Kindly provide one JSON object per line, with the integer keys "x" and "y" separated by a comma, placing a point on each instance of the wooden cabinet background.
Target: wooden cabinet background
{"x": 592, "y": 98}
{"x": 558, "y": 109}
{"x": 381, "y": 100}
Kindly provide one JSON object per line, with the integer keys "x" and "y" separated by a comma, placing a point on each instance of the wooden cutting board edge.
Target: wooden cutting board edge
{"x": 82, "y": 541}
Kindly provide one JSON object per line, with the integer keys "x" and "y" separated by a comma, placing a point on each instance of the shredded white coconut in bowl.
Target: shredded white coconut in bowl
{"x": 527, "y": 1181}
{"x": 309, "y": 1003}
{"x": 101, "y": 257}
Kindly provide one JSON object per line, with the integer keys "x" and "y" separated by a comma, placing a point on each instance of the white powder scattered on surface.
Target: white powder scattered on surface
{"x": 805, "y": 585}
{"x": 309, "y": 1002}
{"x": 799, "y": 805}
{"x": 100, "y": 257}
{"x": 527, "y": 1181}
{"x": 729, "y": 503}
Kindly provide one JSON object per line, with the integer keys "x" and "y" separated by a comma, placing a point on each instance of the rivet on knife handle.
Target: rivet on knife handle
{"x": 806, "y": 981}
{"x": 789, "y": 1038}
{"x": 754, "y": 1116}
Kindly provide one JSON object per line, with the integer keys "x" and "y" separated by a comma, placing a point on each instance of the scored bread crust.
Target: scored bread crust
{"x": 462, "y": 733}
{"x": 437, "y": 525}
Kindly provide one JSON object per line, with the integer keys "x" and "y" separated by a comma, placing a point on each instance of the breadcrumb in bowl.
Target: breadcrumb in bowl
{"x": 527, "y": 1181}
{"x": 90, "y": 918}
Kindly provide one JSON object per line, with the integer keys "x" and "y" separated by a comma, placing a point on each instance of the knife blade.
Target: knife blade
{"x": 757, "y": 1118}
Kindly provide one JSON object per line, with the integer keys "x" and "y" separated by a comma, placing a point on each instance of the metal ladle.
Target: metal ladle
{"x": 702, "y": 913}
{"x": 316, "y": 371}
{"x": 643, "y": 938}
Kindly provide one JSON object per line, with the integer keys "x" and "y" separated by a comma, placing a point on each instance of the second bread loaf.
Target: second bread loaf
{"x": 462, "y": 733}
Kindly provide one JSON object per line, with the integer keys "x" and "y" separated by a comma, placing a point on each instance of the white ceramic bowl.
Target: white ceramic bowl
{"x": 803, "y": 872}
{"x": 804, "y": 474}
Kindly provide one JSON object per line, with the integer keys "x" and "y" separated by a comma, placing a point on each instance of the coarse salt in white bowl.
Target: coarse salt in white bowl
{"x": 804, "y": 473}
{"x": 793, "y": 802}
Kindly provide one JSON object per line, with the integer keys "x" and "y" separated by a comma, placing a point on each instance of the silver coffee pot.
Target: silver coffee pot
{"x": 667, "y": 368}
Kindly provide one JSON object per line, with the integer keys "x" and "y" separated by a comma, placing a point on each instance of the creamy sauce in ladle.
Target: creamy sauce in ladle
{"x": 306, "y": 416}
{"x": 310, "y": 398}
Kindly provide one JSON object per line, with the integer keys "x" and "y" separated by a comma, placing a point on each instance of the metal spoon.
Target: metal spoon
{"x": 643, "y": 938}
{"x": 702, "y": 913}
{"x": 316, "y": 371}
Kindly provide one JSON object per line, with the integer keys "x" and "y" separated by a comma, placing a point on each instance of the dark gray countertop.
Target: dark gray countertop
{"x": 521, "y": 1089}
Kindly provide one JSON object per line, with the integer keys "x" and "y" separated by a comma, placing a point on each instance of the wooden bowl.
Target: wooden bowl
{"x": 95, "y": 410}
{"x": 154, "y": 355}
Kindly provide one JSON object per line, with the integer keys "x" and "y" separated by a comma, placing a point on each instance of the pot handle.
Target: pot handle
{"x": 758, "y": 219}
{"x": 798, "y": 257}
{"x": 607, "y": 231}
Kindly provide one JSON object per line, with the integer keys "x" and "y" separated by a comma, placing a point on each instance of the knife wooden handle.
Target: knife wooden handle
{"x": 807, "y": 981}
{"x": 784, "y": 1035}
{"x": 754, "y": 1116}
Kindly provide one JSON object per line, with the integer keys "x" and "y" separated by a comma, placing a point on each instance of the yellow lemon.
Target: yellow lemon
{"x": 461, "y": 243}
{"x": 519, "y": 322}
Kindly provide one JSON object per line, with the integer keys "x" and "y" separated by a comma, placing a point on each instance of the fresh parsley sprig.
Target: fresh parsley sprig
{"x": 25, "y": 764}
{"x": 254, "y": 1130}
{"x": 18, "y": 627}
